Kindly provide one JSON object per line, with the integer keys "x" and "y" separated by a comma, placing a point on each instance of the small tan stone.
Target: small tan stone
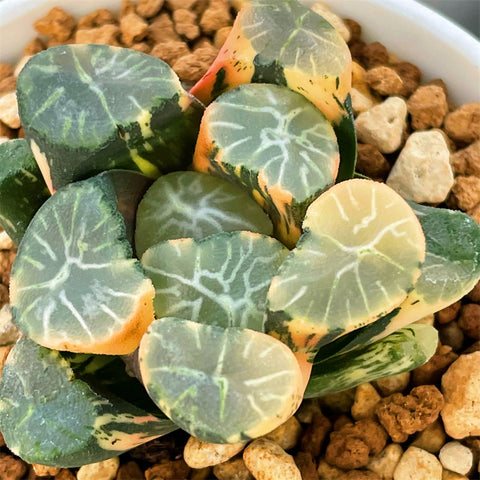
{"x": 185, "y": 23}
{"x": 340, "y": 402}
{"x": 451, "y": 334}
{"x": 133, "y": 29}
{"x": 431, "y": 438}
{"x": 149, "y": 8}
{"x": 11, "y": 468}
{"x": 65, "y": 474}
{"x": 287, "y": 434}
{"x": 6, "y": 70}
{"x": 475, "y": 213}
{"x": 456, "y": 457}
{"x": 268, "y": 461}
{"x": 467, "y": 160}
{"x": 220, "y": 36}
{"x": 200, "y": 454}
{"x": 307, "y": 410}
{"x": 57, "y": 24}
{"x": 422, "y": 172}
{"x": 193, "y": 66}
{"x": 20, "y": 64}
{"x": 418, "y": 464}
{"x": 329, "y": 472}
{"x": 448, "y": 475}
{"x": 216, "y": 16}
{"x": 234, "y": 469}
{"x": 130, "y": 471}
{"x": 386, "y": 461}
{"x": 374, "y": 54}
{"x": 461, "y": 387}
{"x": 9, "y": 110}
{"x": 324, "y": 11}
{"x": 168, "y": 469}
{"x": 463, "y": 124}
{"x": 361, "y": 100}
{"x": 171, "y": 51}
{"x": 371, "y": 162}
{"x": 6, "y": 242}
{"x": 202, "y": 474}
{"x": 427, "y": 107}
{"x": 178, "y": 4}
{"x": 45, "y": 471}
{"x": 105, "y": 35}
{"x": 410, "y": 75}
{"x": 9, "y": 333}
{"x": 393, "y": 384}
{"x": 307, "y": 465}
{"x": 162, "y": 29}
{"x": 469, "y": 320}
{"x": 466, "y": 191}
{"x": 366, "y": 400}
{"x": 384, "y": 80}
{"x": 383, "y": 125}
{"x": 106, "y": 470}
{"x": 474, "y": 294}
{"x": 4, "y": 351}
{"x": 97, "y": 18}
{"x": 450, "y": 313}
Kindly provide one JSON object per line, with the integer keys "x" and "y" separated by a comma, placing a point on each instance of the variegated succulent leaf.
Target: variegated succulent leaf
{"x": 74, "y": 285}
{"x": 52, "y": 415}
{"x": 359, "y": 257}
{"x": 90, "y": 108}
{"x": 22, "y": 188}
{"x": 285, "y": 43}
{"x": 220, "y": 280}
{"x": 401, "y": 351}
{"x": 451, "y": 268}
{"x": 222, "y": 385}
{"x": 276, "y": 144}
{"x": 195, "y": 205}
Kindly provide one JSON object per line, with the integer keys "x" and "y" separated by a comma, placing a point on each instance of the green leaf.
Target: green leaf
{"x": 22, "y": 189}
{"x": 90, "y": 108}
{"x": 220, "y": 280}
{"x": 222, "y": 385}
{"x": 275, "y": 143}
{"x": 52, "y": 414}
{"x": 195, "y": 205}
{"x": 401, "y": 351}
{"x": 347, "y": 142}
{"x": 74, "y": 285}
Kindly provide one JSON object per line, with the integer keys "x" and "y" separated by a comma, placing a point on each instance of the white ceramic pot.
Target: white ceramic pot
{"x": 412, "y": 31}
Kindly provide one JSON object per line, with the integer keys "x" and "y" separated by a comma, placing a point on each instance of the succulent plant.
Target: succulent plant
{"x": 229, "y": 328}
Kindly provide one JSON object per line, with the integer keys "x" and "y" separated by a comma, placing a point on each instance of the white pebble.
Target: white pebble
{"x": 383, "y": 125}
{"x": 418, "y": 464}
{"x": 422, "y": 172}
{"x": 386, "y": 461}
{"x": 9, "y": 110}
{"x": 106, "y": 470}
{"x": 268, "y": 461}
{"x": 456, "y": 457}
{"x": 200, "y": 454}
{"x": 5, "y": 241}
